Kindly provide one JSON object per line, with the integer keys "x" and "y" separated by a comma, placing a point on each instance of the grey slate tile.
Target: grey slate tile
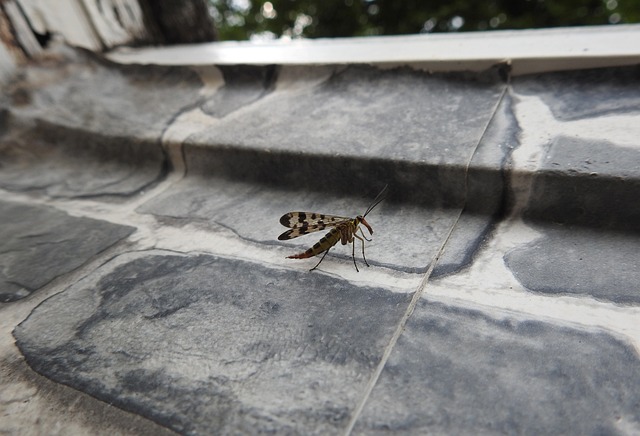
{"x": 203, "y": 344}
{"x": 273, "y": 156}
{"x": 399, "y": 114}
{"x": 588, "y": 183}
{"x": 208, "y": 344}
{"x": 580, "y": 261}
{"x": 406, "y": 237}
{"x": 74, "y": 88}
{"x": 77, "y": 125}
{"x": 41, "y": 243}
{"x": 487, "y": 197}
{"x": 362, "y": 125}
{"x": 458, "y": 371}
{"x": 585, "y": 93}
{"x": 591, "y": 179}
{"x": 71, "y": 163}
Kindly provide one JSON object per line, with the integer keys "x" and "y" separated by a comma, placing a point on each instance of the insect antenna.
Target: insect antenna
{"x": 381, "y": 196}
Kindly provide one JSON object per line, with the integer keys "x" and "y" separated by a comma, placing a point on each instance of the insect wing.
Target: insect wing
{"x": 304, "y": 219}
{"x": 299, "y": 231}
{"x": 302, "y": 223}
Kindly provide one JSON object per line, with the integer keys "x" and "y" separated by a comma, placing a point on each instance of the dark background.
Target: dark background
{"x": 244, "y": 19}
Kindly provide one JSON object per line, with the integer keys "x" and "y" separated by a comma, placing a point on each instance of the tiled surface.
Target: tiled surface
{"x": 41, "y": 243}
{"x": 234, "y": 206}
{"x": 502, "y": 295}
{"x": 460, "y": 371}
{"x": 587, "y": 149}
{"x": 579, "y": 260}
{"x": 405, "y": 127}
{"x": 68, "y": 163}
{"x": 75, "y": 89}
{"x": 195, "y": 349}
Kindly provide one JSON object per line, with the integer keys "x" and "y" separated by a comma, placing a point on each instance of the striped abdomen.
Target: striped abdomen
{"x": 343, "y": 232}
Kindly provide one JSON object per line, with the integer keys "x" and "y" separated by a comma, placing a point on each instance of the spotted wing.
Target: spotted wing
{"x": 302, "y": 223}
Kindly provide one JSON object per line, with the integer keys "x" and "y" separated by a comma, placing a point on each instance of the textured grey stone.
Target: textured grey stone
{"x": 411, "y": 129}
{"x": 487, "y": 192}
{"x": 580, "y": 94}
{"x": 589, "y": 183}
{"x": 580, "y": 260}
{"x": 77, "y": 125}
{"x": 203, "y": 344}
{"x": 243, "y": 85}
{"x": 40, "y": 243}
{"x": 584, "y": 181}
{"x": 456, "y": 371}
{"x": 398, "y": 114}
{"x": 77, "y": 89}
{"x": 72, "y": 163}
{"x": 406, "y": 237}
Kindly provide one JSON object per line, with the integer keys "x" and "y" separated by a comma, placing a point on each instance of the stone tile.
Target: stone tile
{"x": 591, "y": 183}
{"x": 41, "y": 243}
{"x": 246, "y": 183}
{"x": 580, "y": 261}
{"x": 203, "y": 344}
{"x": 76, "y": 125}
{"x": 76, "y": 89}
{"x": 401, "y": 114}
{"x": 459, "y": 371}
{"x": 581, "y": 128}
{"x": 406, "y": 237}
{"x": 487, "y": 192}
{"x": 580, "y": 94}
{"x": 64, "y": 163}
{"x": 411, "y": 129}
{"x": 515, "y": 257}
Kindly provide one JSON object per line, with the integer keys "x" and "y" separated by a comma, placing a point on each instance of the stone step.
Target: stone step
{"x": 560, "y": 146}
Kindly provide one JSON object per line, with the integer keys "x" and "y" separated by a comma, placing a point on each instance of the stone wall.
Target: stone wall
{"x": 140, "y": 264}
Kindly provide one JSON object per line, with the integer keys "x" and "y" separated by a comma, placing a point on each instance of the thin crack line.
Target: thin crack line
{"x": 399, "y": 329}
{"x": 373, "y": 381}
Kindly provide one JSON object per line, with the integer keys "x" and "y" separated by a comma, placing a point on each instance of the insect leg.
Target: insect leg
{"x": 321, "y": 259}
{"x": 353, "y": 253}
{"x": 354, "y": 249}
{"x": 363, "y": 235}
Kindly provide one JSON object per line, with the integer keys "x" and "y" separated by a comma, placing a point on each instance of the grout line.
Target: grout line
{"x": 423, "y": 284}
{"x": 399, "y": 329}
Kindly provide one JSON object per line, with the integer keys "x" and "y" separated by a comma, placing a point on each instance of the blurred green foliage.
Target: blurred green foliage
{"x": 245, "y": 19}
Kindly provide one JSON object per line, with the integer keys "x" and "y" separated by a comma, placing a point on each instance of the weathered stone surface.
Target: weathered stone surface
{"x": 487, "y": 190}
{"x": 406, "y": 237}
{"x": 203, "y": 344}
{"x": 580, "y": 260}
{"x": 35, "y": 405}
{"x": 76, "y": 89}
{"x": 243, "y": 85}
{"x": 414, "y": 130}
{"x": 423, "y": 158}
{"x": 76, "y": 125}
{"x": 589, "y": 173}
{"x": 589, "y": 183}
{"x": 40, "y": 243}
{"x": 72, "y": 163}
{"x": 399, "y": 114}
{"x": 581, "y": 94}
{"x": 457, "y": 371}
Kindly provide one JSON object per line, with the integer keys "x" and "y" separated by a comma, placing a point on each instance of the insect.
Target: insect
{"x": 342, "y": 229}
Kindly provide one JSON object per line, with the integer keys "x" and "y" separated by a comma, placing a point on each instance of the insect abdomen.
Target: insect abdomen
{"x": 326, "y": 242}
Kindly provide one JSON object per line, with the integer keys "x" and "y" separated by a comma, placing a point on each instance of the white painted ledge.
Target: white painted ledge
{"x": 528, "y": 51}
